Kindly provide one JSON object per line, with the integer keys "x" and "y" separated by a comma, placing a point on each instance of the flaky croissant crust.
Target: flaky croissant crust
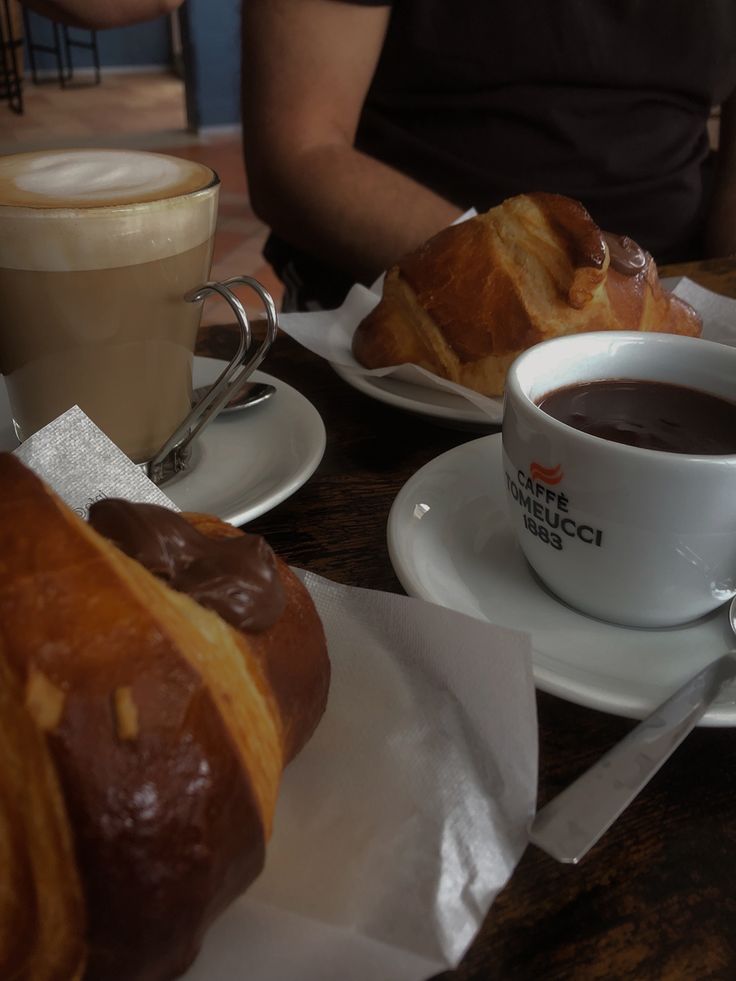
{"x": 142, "y": 741}
{"x": 477, "y": 294}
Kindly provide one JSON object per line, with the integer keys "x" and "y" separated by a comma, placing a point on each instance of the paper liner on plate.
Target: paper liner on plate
{"x": 406, "y": 813}
{"x": 718, "y": 312}
{"x": 329, "y": 334}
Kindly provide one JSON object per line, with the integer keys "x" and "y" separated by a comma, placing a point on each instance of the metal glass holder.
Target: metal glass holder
{"x": 175, "y": 454}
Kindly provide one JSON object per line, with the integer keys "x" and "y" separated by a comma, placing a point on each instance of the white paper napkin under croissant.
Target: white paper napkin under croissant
{"x": 407, "y": 811}
{"x": 329, "y": 334}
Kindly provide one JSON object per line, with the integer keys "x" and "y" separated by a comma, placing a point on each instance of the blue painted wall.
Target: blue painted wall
{"x": 214, "y": 29}
{"x": 213, "y": 55}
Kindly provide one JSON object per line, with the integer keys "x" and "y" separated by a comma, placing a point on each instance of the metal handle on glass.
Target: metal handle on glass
{"x": 169, "y": 459}
{"x": 571, "y": 823}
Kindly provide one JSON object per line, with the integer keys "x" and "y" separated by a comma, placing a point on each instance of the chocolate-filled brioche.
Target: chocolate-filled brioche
{"x": 480, "y": 292}
{"x": 142, "y": 736}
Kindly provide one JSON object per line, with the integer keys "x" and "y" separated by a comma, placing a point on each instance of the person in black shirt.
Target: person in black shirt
{"x": 368, "y": 126}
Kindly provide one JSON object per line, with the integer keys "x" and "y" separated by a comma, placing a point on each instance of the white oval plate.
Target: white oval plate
{"x": 450, "y": 542}
{"x": 421, "y": 400}
{"x": 244, "y": 463}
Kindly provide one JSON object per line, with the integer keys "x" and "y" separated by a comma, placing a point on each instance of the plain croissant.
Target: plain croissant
{"x": 142, "y": 740}
{"x": 478, "y": 293}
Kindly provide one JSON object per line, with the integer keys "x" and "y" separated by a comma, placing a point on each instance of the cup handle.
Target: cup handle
{"x": 173, "y": 454}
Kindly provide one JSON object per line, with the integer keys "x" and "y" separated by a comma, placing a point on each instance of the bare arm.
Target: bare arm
{"x": 721, "y": 232}
{"x": 307, "y": 66}
{"x": 101, "y": 14}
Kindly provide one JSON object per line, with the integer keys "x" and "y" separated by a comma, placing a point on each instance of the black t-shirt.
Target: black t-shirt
{"x": 606, "y": 101}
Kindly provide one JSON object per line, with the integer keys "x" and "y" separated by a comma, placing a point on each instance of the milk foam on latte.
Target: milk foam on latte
{"x": 98, "y": 249}
{"x": 120, "y": 218}
{"x": 95, "y": 178}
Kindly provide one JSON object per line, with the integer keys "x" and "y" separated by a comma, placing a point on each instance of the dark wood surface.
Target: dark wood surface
{"x": 656, "y": 898}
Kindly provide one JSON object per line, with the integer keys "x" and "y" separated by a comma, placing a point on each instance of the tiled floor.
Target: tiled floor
{"x": 146, "y": 111}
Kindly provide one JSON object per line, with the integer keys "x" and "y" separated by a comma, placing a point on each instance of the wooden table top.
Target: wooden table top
{"x": 656, "y": 897}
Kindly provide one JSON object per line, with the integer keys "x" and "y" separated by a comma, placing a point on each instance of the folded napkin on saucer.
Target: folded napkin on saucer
{"x": 329, "y": 334}
{"x": 408, "y": 810}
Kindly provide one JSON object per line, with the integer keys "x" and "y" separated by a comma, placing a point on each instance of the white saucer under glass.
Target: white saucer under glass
{"x": 244, "y": 463}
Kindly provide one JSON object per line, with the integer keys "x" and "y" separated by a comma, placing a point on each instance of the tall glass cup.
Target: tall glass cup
{"x": 104, "y": 255}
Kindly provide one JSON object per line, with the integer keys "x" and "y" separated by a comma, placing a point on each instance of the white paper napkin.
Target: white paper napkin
{"x": 718, "y": 312}
{"x": 406, "y": 813}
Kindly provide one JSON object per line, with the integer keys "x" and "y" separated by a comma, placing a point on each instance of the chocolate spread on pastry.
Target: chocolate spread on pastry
{"x": 627, "y": 257}
{"x": 578, "y": 235}
{"x": 235, "y": 577}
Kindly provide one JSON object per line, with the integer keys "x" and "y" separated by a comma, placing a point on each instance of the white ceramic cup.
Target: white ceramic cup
{"x": 635, "y": 536}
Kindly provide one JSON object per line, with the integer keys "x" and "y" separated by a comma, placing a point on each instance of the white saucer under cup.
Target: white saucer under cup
{"x": 451, "y": 542}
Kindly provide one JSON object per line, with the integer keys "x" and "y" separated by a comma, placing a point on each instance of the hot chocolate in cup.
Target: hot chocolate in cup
{"x": 620, "y": 473}
{"x": 98, "y": 249}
